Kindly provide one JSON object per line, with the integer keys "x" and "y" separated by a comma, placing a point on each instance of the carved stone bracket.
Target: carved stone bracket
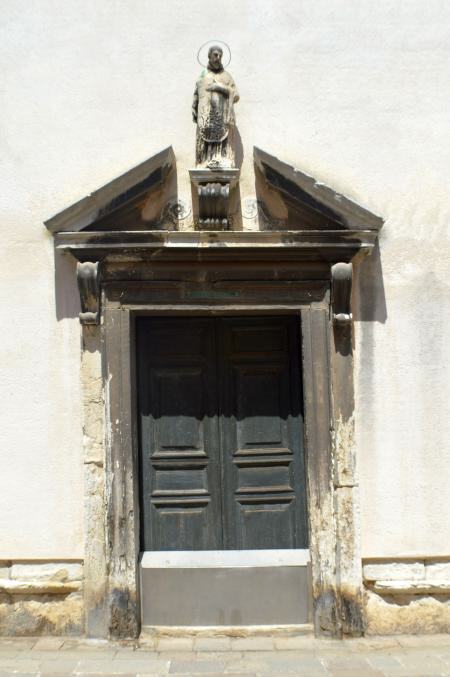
{"x": 88, "y": 278}
{"x": 214, "y": 187}
{"x": 213, "y": 205}
{"x": 341, "y": 278}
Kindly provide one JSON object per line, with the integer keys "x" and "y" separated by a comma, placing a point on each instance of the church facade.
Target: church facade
{"x": 226, "y": 362}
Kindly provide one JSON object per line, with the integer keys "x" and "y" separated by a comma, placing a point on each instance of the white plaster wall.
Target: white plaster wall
{"x": 355, "y": 92}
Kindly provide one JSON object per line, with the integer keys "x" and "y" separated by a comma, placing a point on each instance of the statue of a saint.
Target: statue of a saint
{"x": 212, "y": 109}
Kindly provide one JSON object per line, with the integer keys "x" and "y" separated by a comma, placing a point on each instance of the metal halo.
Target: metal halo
{"x": 207, "y": 45}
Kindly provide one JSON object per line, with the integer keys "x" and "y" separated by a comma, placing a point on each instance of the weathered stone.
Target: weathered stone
{"x": 93, "y": 403}
{"x": 5, "y": 572}
{"x": 437, "y": 571}
{"x": 343, "y": 450}
{"x": 394, "y": 571}
{"x": 45, "y": 616}
{"x": 95, "y": 573}
{"x": 213, "y": 112}
{"x": 412, "y": 587}
{"x": 406, "y": 614}
{"x": 51, "y": 571}
{"x": 348, "y": 558}
{"x": 34, "y": 587}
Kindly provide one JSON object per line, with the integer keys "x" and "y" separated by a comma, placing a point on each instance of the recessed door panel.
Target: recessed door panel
{"x": 175, "y": 431}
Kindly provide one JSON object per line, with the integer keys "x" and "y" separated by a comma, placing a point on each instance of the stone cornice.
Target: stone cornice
{"x": 329, "y": 246}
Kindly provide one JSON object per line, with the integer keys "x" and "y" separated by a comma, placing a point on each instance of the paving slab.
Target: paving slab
{"x": 422, "y": 641}
{"x": 48, "y": 644}
{"x": 294, "y": 643}
{"x": 384, "y": 662}
{"x": 19, "y": 643}
{"x": 197, "y": 667}
{"x": 252, "y": 644}
{"x": 215, "y": 674}
{"x": 212, "y": 644}
{"x": 178, "y": 655}
{"x": 344, "y": 662}
{"x": 58, "y": 666}
{"x": 356, "y": 673}
{"x": 20, "y": 674}
{"x": 175, "y": 644}
{"x": 121, "y": 667}
{"x": 258, "y": 655}
{"x": 82, "y": 653}
{"x": 107, "y": 674}
{"x": 13, "y": 665}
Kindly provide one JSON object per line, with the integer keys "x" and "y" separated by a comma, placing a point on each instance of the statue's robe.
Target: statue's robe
{"x": 215, "y": 118}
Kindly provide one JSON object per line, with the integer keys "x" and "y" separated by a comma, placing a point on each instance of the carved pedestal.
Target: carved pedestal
{"x": 214, "y": 188}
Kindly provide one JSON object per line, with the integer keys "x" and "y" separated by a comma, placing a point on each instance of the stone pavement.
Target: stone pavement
{"x": 246, "y": 656}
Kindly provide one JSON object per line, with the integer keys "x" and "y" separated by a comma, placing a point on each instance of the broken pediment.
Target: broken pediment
{"x": 140, "y": 199}
{"x": 289, "y": 199}
{"x": 296, "y": 218}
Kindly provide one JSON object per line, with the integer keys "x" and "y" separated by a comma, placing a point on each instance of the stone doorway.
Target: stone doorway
{"x": 126, "y": 270}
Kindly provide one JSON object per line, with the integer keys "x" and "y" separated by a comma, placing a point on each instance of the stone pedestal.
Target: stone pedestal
{"x": 214, "y": 188}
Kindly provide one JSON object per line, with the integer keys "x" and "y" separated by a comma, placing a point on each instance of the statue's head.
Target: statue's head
{"x": 215, "y": 57}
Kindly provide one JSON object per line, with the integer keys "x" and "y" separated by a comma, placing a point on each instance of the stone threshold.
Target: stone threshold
{"x": 162, "y": 559}
{"x": 153, "y": 632}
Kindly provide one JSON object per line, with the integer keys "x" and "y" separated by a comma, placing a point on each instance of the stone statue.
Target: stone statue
{"x": 213, "y": 111}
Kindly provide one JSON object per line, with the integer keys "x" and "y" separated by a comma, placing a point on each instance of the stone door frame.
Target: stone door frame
{"x": 112, "y": 598}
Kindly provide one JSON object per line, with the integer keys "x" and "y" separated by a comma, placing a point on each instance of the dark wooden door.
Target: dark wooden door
{"x": 221, "y": 438}
{"x": 179, "y": 438}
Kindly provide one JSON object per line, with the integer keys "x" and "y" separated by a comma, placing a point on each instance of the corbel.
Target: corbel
{"x": 88, "y": 278}
{"x": 213, "y": 201}
{"x": 341, "y": 291}
{"x": 214, "y": 188}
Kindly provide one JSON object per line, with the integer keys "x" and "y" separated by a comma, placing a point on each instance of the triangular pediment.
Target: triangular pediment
{"x": 307, "y": 203}
{"x": 132, "y": 201}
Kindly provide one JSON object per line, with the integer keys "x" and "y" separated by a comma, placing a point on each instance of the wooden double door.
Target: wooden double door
{"x": 221, "y": 433}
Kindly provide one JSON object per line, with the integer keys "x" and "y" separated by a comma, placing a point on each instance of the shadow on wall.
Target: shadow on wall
{"x": 67, "y": 299}
{"x": 370, "y": 299}
{"x": 238, "y": 148}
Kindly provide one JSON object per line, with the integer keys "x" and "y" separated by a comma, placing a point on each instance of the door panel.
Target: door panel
{"x": 261, "y": 434}
{"x": 221, "y": 436}
{"x": 179, "y": 435}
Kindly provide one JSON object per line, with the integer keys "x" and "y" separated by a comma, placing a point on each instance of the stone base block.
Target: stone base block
{"x": 407, "y": 614}
{"x": 27, "y": 615}
{"x": 41, "y": 598}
